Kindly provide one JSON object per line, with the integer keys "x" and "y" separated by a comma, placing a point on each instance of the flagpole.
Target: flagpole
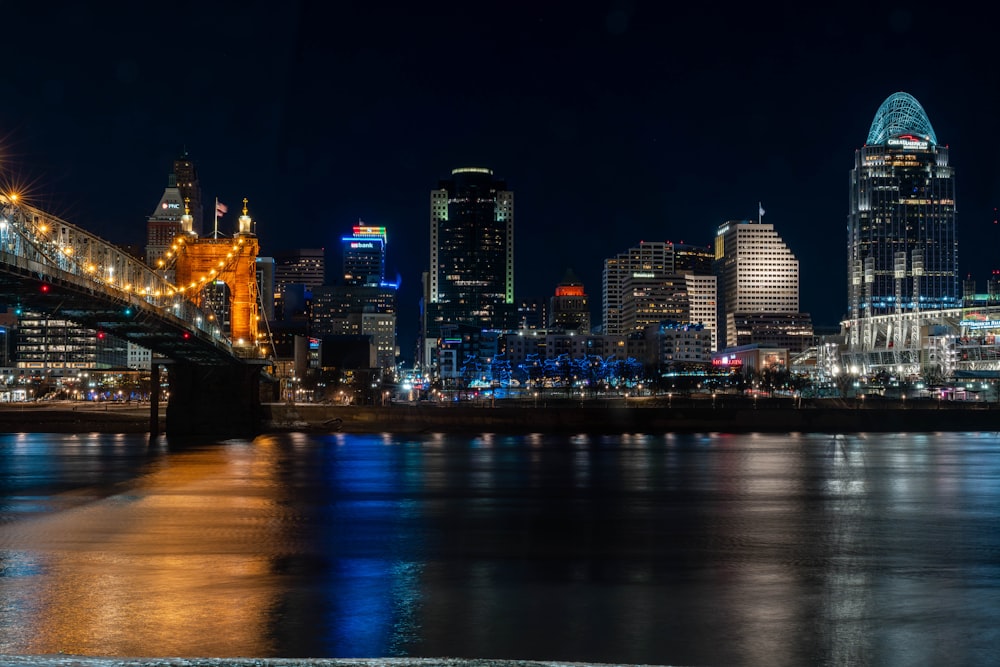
{"x": 215, "y": 232}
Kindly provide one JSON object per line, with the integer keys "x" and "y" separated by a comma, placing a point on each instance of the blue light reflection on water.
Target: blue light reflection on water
{"x": 700, "y": 549}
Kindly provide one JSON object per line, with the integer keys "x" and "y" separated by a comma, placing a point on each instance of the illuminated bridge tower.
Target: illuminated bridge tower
{"x": 902, "y": 252}
{"x": 208, "y": 262}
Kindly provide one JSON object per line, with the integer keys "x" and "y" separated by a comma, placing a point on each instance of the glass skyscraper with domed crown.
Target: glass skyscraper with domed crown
{"x": 902, "y": 252}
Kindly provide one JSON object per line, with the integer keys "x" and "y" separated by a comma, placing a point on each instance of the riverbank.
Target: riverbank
{"x": 730, "y": 415}
{"x": 724, "y": 415}
{"x": 77, "y": 417}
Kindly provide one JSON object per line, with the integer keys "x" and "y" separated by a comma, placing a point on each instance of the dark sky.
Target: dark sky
{"x": 612, "y": 122}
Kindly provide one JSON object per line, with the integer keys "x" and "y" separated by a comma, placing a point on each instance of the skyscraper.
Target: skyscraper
{"x": 190, "y": 188}
{"x": 364, "y": 256}
{"x": 471, "y": 278}
{"x": 757, "y": 273}
{"x": 902, "y": 253}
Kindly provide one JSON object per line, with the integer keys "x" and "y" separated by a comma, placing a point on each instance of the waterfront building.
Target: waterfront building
{"x": 750, "y": 359}
{"x": 56, "y": 346}
{"x": 672, "y": 344}
{"x": 471, "y": 277}
{"x": 570, "y": 308}
{"x": 757, "y": 273}
{"x": 523, "y": 345}
{"x": 901, "y": 241}
{"x": 792, "y": 331}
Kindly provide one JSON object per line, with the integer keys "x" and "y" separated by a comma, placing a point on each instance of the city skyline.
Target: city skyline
{"x": 612, "y": 122}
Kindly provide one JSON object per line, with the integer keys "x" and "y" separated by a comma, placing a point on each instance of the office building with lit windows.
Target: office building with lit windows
{"x": 757, "y": 273}
{"x": 569, "y": 309}
{"x": 364, "y": 256}
{"x": 359, "y": 310}
{"x": 304, "y": 267}
{"x": 164, "y": 223}
{"x": 471, "y": 277}
{"x": 186, "y": 179}
{"x": 901, "y": 243}
{"x": 645, "y": 284}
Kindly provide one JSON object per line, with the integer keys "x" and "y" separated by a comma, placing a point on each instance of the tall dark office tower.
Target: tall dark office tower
{"x": 471, "y": 278}
{"x": 902, "y": 253}
{"x": 303, "y": 267}
{"x": 190, "y": 189}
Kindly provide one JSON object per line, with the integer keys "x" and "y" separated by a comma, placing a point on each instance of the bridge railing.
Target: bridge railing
{"x": 40, "y": 244}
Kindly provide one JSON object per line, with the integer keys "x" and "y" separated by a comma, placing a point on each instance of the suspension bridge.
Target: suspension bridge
{"x": 50, "y": 266}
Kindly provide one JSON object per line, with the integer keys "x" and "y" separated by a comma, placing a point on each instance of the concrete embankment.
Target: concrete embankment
{"x": 738, "y": 417}
{"x": 726, "y": 416}
{"x": 76, "y": 417}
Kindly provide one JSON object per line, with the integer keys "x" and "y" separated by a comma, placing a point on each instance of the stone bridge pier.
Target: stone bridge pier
{"x": 220, "y": 400}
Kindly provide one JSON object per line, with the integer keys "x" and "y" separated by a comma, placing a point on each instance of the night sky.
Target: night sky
{"x": 612, "y": 122}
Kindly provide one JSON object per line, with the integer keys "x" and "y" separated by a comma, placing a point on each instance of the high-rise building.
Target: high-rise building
{"x": 164, "y": 224}
{"x": 570, "y": 308}
{"x": 364, "y": 256}
{"x": 471, "y": 278}
{"x": 265, "y": 286}
{"x": 353, "y": 310}
{"x": 902, "y": 252}
{"x": 757, "y": 273}
{"x": 304, "y": 266}
{"x": 190, "y": 188}
{"x": 650, "y": 270}
{"x": 703, "y": 296}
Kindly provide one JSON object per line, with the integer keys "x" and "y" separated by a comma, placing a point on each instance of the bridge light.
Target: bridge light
{"x": 128, "y": 311}
{"x": 44, "y": 288}
{"x": 100, "y": 335}
{"x": 185, "y": 335}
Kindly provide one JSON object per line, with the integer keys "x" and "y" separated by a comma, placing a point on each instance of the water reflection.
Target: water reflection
{"x": 657, "y": 549}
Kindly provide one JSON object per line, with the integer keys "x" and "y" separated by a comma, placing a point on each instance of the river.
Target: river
{"x": 644, "y": 549}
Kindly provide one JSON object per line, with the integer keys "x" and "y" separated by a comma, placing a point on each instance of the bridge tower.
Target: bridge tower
{"x": 201, "y": 261}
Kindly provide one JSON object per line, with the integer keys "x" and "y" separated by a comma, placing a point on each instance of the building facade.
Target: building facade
{"x": 356, "y": 310}
{"x": 186, "y": 178}
{"x": 757, "y": 273}
{"x": 471, "y": 277}
{"x": 648, "y": 279}
{"x": 364, "y": 255}
{"x": 164, "y": 224}
{"x": 901, "y": 241}
{"x": 303, "y": 266}
{"x": 569, "y": 309}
